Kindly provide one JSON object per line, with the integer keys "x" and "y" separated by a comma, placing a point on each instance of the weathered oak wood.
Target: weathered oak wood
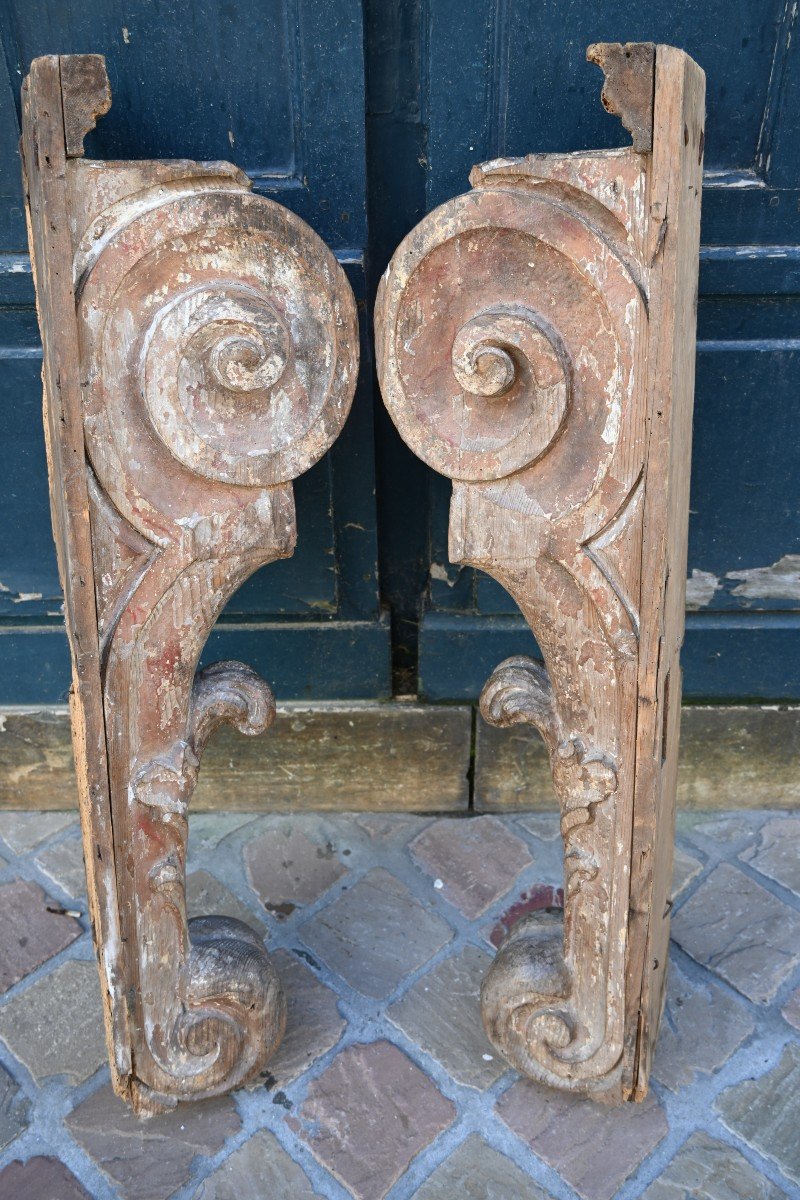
{"x": 676, "y": 181}
{"x": 200, "y": 353}
{"x": 535, "y": 344}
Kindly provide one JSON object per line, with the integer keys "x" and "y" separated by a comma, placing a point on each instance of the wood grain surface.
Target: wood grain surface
{"x": 535, "y": 344}
{"x": 201, "y": 352}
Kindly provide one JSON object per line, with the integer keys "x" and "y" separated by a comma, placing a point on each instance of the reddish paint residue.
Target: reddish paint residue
{"x": 543, "y": 895}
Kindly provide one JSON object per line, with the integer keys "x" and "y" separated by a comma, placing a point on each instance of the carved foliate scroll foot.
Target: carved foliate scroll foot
{"x": 232, "y": 1020}
{"x": 535, "y": 343}
{"x": 532, "y": 1002}
{"x": 225, "y": 1011}
{"x": 525, "y": 999}
{"x": 229, "y": 693}
{"x": 519, "y": 692}
{"x": 200, "y": 352}
{"x": 228, "y": 958}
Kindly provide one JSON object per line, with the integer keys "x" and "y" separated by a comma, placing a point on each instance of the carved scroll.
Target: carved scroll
{"x": 200, "y": 352}
{"x": 536, "y": 345}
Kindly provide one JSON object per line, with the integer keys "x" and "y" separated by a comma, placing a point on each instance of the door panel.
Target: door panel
{"x": 508, "y": 78}
{"x": 255, "y": 83}
{"x": 278, "y": 86}
{"x": 504, "y": 78}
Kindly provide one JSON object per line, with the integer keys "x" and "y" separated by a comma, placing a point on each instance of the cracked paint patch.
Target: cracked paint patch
{"x": 22, "y": 597}
{"x": 700, "y": 589}
{"x": 781, "y": 581}
{"x": 437, "y": 571}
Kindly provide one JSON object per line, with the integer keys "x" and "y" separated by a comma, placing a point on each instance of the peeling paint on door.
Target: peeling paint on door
{"x": 781, "y": 581}
{"x": 700, "y": 589}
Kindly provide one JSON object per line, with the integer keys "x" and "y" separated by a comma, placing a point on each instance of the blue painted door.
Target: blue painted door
{"x": 259, "y": 83}
{"x": 453, "y": 83}
{"x": 361, "y": 115}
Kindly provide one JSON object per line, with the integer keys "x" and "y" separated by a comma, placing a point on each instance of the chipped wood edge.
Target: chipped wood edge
{"x": 628, "y": 86}
{"x": 675, "y": 195}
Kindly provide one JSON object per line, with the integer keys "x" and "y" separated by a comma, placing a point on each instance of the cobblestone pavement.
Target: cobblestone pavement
{"x": 385, "y": 1085}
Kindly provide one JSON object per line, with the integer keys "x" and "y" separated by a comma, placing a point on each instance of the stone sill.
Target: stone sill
{"x": 405, "y": 756}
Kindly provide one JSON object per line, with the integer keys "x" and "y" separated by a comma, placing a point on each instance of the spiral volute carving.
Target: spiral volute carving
{"x": 234, "y": 324}
{"x": 483, "y": 357}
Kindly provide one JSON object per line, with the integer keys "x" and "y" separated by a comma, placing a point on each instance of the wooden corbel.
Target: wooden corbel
{"x": 536, "y": 344}
{"x": 200, "y": 352}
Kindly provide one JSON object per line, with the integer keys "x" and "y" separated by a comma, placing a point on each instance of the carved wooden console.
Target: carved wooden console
{"x": 200, "y": 352}
{"x": 536, "y": 345}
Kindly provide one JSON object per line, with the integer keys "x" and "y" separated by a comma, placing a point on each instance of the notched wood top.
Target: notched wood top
{"x": 86, "y": 95}
{"x": 629, "y": 86}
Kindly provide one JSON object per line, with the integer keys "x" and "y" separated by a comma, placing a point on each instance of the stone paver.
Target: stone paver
{"x": 594, "y": 1148}
{"x": 55, "y": 1026}
{"x": 152, "y": 1158}
{"x": 289, "y": 870}
{"x": 206, "y": 896}
{"x": 405, "y": 1101}
{"x": 701, "y": 1028}
{"x": 63, "y": 864}
{"x": 708, "y": 1169}
{"x": 765, "y": 1112}
{"x": 313, "y": 1023}
{"x": 207, "y": 830}
{"x": 477, "y": 860}
{"x": 13, "y": 1110}
{"x": 723, "y": 829}
{"x": 259, "y": 1170}
{"x": 29, "y": 934}
{"x": 441, "y": 1014}
{"x": 375, "y": 934}
{"x": 777, "y": 852}
{"x": 738, "y": 929}
{"x": 42, "y": 1178}
{"x": 369, "y": 1114}
{"x": 475, "y": 1171}
{"x": 23, "y": 831}
{"x": 685, "y": 868}
{"x": 396, "y": 827}
{"x": 791, "y": 1009}
{"x": 546, "y": 826}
